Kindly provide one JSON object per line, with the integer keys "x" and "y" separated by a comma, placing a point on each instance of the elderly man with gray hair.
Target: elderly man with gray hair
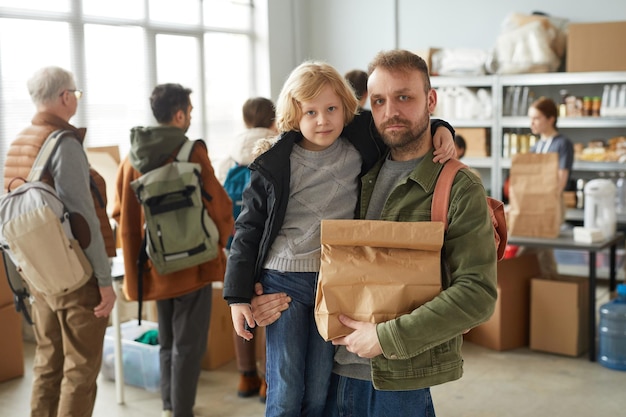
{"x": 69, "y": 328}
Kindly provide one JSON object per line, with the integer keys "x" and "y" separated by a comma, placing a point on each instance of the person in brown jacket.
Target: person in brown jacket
{"x": 69, "y": 329}
{"x": 183, "y": 297}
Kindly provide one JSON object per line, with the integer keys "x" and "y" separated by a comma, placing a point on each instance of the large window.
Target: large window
{"x": 119, "y": 50}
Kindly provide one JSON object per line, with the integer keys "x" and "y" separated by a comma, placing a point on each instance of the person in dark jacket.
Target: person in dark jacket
{"x": 311, "y": 173}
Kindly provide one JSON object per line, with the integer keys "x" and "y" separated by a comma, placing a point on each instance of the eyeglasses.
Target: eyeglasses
{"x": 77, "y": 93}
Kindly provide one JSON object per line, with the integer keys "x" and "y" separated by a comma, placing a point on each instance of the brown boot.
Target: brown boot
{"x": 248, "y": 385}
{"x": 263, "y": 391}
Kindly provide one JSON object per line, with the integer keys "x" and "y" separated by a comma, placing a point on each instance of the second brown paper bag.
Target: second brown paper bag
{"x": 374, "y": 271}
{"x": 535, "y": 207}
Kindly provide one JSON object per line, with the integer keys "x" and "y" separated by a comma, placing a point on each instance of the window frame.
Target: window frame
{"x": 77, "y": 21}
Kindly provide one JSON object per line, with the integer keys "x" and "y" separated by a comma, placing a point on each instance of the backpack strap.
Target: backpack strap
{"x": 184, "y": 153}
{"x": 19, "y": 290}
{"x": 441, "y": 195}
{"x": 43, "y": 157}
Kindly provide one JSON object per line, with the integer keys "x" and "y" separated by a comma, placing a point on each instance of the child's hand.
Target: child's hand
{"x": 242, "y": 315}
{"x": 444, "y": 145}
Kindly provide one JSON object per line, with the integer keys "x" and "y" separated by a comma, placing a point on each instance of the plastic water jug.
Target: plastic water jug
{"x": 600, "y": 206}
{"x": 612, "y": 338}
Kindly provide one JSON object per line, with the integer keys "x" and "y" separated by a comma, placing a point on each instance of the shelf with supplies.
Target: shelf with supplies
{"x": 581, "y": 130}
{"x": 590, "y": 166}
{"x": 577, "y": 215}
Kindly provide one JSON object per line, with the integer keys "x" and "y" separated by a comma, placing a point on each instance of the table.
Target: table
{"x": 117, "y": 272}
{"x": 566, "y": 241}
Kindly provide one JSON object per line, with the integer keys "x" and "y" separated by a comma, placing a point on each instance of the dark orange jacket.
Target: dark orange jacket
{"x": 128, "y": 214}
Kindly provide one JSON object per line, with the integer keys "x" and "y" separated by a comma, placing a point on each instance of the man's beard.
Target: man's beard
{"x": 408, "y": 139}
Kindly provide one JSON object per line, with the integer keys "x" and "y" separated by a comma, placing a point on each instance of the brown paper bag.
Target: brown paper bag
{"x": 373, "y": 270}
{"x": 535, "y": 196}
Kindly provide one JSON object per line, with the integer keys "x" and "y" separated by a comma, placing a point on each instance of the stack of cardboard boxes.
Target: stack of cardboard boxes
{"x": 11, "y": 344}
{"x": 220, "y": 343}
{"x": 548, "y": 315}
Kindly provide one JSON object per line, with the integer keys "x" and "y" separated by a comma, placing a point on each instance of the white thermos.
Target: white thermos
{"x": 600, "y": 207}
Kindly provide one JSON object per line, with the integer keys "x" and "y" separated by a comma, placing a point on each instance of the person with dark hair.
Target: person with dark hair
{"x": 69, "y": 328}
{"x": 543, "y": 114}
{"x": 259, "y": 117}
{"x": 184, "y": 297}
{"x": 461, "y": 146}
{"x": 358, "y": 81}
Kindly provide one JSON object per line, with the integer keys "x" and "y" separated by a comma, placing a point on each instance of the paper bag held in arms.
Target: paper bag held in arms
{"x": 374, "y": 270}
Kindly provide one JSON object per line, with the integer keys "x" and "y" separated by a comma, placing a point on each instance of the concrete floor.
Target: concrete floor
{"x": 516, "y": 383}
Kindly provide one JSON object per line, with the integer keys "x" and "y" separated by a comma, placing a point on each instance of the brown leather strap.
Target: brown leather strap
{"x": 441, "y": 195}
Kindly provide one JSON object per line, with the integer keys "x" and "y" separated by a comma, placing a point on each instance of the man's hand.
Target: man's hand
{"x": 266, "y": 308}
{"x": 363, "y": 341}
{"x": 242, "y": 315}
{"x": 107, "y": 301}
{"x": 444, "y": 145}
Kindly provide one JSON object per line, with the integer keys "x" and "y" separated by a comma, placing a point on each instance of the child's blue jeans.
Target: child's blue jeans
{"x": 299, "y": 361}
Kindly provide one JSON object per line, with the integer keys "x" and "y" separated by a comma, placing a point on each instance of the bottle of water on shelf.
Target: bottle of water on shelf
{"x": 612, "y": 332}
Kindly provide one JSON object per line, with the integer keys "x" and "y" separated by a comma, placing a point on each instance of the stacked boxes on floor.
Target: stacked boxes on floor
{"x": 559, "y": 315}
{"x": 548, "y": 315}
{"x": 11, "y": 344}
{"x": 508, "y": 327}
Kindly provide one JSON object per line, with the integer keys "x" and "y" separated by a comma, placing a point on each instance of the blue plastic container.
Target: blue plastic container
{"x": 612, "y": 339}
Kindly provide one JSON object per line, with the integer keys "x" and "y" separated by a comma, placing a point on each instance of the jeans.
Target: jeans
{"x": 299, "y": 361}
{"x": 349, "y": 397}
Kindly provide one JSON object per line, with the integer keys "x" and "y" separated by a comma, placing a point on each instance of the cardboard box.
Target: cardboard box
{"x": 426, "y": 55}
{"x": 559, "y": 315}
{"x": 220, "y": 345}
{"x": 596, "y": 47}
{"x": 476, "y": 141}
{"x": 11, "y": 345}
{"x": 6, "y": 295}
{"x": 105, "y": 160}
{"x": 508, "y": 327}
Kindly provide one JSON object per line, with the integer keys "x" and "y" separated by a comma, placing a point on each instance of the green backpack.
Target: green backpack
{"x": 179, "y": 233}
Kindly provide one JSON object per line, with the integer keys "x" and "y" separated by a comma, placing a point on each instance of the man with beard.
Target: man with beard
{"x": 183, "y": 297}
{"x": 387, "y": 369}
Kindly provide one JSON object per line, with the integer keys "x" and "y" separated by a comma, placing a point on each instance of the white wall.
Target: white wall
{"x": 348, "y": 33}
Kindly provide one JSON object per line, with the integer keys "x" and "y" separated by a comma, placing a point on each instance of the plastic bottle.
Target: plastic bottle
{"x": 606, "y": 94}
{"x": 612, "y": 106}
{"x": 563, "y": 105}
{"x": 621, "y": 101}
{"x": 620, "y": 196}
{"x": 612, "y": 339}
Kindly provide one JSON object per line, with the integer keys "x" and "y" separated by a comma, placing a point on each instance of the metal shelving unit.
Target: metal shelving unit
{"x": 497, "y": 165}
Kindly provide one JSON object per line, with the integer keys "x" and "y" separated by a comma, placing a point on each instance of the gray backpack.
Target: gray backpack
{"x": 179, "y": 233}
{"x": 36, "y": 236}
